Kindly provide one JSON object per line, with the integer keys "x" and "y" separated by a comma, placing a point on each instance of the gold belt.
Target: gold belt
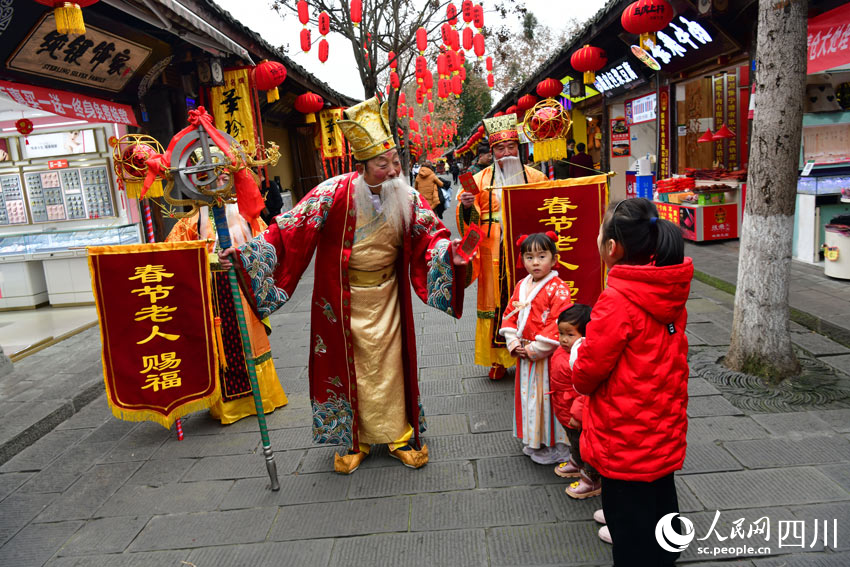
{"x": 496, "y": 217}
{"x": 362, "y": 278}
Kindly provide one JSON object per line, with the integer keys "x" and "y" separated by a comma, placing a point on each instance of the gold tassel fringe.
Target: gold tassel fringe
{"x": 545, "y": 150}
{"x": 272, "y": 95}
{"x": 69, "y": 19}
{"x": 134, "y": 189}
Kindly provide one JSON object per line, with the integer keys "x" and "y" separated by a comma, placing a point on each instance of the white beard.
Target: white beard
{"x": 508, "y": 171}
{"x": 395, "y": 201}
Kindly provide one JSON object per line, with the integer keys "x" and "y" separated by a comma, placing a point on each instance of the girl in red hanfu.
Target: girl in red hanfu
{"x": 530, "y": 328}
{"x": 633, "y": 366}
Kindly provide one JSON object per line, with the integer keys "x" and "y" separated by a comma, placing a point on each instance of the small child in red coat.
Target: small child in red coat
{"x": 568, "y": 404}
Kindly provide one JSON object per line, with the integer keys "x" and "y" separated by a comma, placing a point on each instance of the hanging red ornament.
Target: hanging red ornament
{"x": 324, "y": 23}
{"x": 446, "y": 34}
{"x": 525, "y": 102}
{"x": 455, "y": 40}
{"x": 511, "y": 110}
{"x": 723, "y": 133}
{"x": 478, "y": 44}
{"x": 323, "y": 50}
{"x": 24, "y": 126}
{"x": 392, "y": 59}
{"x": 451, "y": 14}
{"x": 430, "y": 107}
{"x": 394, "y": 80}
{"x": 588, "y": 60}
{"x": 68, "y": 15}
{"x": 428, "y": 80}
{"x": 356, "y": 12}
{"x": 267, "y": 75}
{"x": 457, "y": 85}
{"x": 303, "y": 12}
{"x": 468, "y": 35}
{"x": 645, "y": 17}
{"x": 707, "y": 137}
{"x": 491, "y": 82}
{"x": 549, "y": 88}
{"x": 421, "y": 40}
{"x": 489, "y": 62}
{"x": 427, "y": 119}
{"x": 305, "y": 40}
{"x": 402, "y": 98}
{"x": 466, "y": 8}
{"x": 478, "y": 16}
{"x": 308, "y": 104}
{"x": 410, "y": 112}
{"x": 443, "y": 64}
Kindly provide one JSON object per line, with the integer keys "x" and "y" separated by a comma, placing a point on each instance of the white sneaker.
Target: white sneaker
{"x": 528, "y": 451}
{"x": 550, "y": 455}
{"x": 605, "y": 534}
{"x": 599, "y": 516}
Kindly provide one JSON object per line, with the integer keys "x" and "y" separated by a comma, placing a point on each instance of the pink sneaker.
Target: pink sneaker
{"x": 599, "y": 516}
{"x": 605, "y": 534}
{"x": 568, "y": 470}
{"x": 584, "y": 488}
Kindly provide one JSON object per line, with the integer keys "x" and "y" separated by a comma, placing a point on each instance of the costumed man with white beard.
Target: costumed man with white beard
{"x": 375, "y": 238}
{"x": 485, "y": 210}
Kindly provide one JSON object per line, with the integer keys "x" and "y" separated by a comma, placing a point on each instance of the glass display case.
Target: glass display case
{"x": 69, "y": 194}
{"x": 59, "y": 240}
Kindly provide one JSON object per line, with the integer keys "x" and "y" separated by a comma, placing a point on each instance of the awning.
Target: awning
{"x": 64, "y": 103}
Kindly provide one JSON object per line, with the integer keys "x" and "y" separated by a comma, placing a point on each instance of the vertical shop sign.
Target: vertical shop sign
{"x": 233, "y": 110}
{"x": 732, "y": 117}
{"x": 664, "y": 132}
{"x": 332, "y": 146}
{"x": 620, "y": 137}
{"x": 718, "y": 115}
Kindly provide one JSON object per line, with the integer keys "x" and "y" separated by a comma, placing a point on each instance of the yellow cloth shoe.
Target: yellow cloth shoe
{"x": 347, "y": 464}
{"x": 411, "y": 457}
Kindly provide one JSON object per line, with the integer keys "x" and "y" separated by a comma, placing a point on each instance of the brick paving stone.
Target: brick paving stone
{"x": 451, "y": 372}
{"x": 459, "y": 548}
{"x": 762, "y": 453}
{"x": 104, "y": 535}
{"x": 349, "y": 518}
{"x": 92, "y": 416}
{"x": 701, "y": 387}
{"x": 35, "y": 544}
{"x": 64, "y": 471}
{"x": 441, "y": 388}
{"x": 240, "y": 466}
{"x": 838, "y": 419}
{"x": 705, "y": 406}
{"x": 694, "y": 340}
{"x": 392, "y": 481}
{"x": 480, "y": 446}
{"x": 795, "y": 424}
{"x": 725, "y": 525}
{"x": 18, "y": 509}
{"x": 293, "y": 438}
{"x": 44, "y": 451}
{"x": 111, "y": 432}
{"x": 770, "y": 487}
{"x": 9, "y": 482}
{"x": 203, "y": 529}
{"x": 433, "y": 360}
{"x": 493, "y": 401}
{"x": 321, "y": 459}
{"x": 818, "y": 345}
{"x": 558, "y": 544}
{"x": 156, "y": 473}
{"x": 723, "y": 428}
{"x": 139, "y": 444}
{"x": 514, "y": 471}
{"x": 688, "y": 502}
{"x": 566, "y": 508}
{"x": 840, "y": 473}
{"x": 485, "y": 422}
{"x": 295, "y": 489}
{"x": 440, "y": 348}
{"x": 208, "y": 445}
{"x": 173, "y": 498}
{"x": 439, "y": 425}
{"x": 840, "y": 362}
{"x": 835, "y": 514}
{"x": 286, "y": 554}
{"x": 483, "y": 384}
{"x": 708, "y": 457}
{"x": 87, "y": 494}
{"x": 481, "y": 508}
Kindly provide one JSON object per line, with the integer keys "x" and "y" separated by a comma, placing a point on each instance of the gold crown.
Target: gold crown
{"x": 501, "y": 128}
{"x": 367, "y": 129}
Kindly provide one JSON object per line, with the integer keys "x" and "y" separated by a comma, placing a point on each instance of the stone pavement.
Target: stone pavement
{"x": 96, "y": 491}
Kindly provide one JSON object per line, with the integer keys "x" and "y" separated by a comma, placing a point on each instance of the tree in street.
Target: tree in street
{"x": 761, "y": 341}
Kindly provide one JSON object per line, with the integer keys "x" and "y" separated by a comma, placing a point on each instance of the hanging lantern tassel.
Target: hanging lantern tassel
{"x": 647, "y": 40}
{"x": 69, "y": 18}
{"x": 272, "y": 95}
{"x": 589, "y": 77}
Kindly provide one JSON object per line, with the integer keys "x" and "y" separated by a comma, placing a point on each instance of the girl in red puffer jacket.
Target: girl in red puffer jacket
{"x": 633, "y": 366}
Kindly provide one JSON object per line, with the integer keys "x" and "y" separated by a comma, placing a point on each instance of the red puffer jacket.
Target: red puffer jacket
{"x": 561, "y": 382}
{"x": 633, "y": 365}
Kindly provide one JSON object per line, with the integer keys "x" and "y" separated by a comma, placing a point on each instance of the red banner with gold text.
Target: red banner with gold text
{"x": 573, "y": 210}
{"x": 156, "y": 327}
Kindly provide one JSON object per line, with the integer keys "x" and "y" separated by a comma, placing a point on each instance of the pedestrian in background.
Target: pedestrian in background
{"x": 428, "y": 185}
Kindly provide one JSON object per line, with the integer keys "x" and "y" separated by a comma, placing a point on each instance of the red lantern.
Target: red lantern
{"x": 451, "y": 14}
{"x": 489, "y": 62}
{"x": 461, "y": 59}
{"x": 414, "y": 126}
{"x": 430, "y": 107}
{"x": 462, "y": 73}
{"x": 588, "y": 60}
{"x": 466, "y": 8}
{"x": 267, "y": 75}
{"x": 500, "y": 113}
{"x": 323, "y": 50}
{"x": 392, "y": 59}
{"x": 645, "y": 17}
{"x": 420, "y": 97}
{"x": 478, "y": 43}
{"x": 402, "y": 98}
{"x": 308, "y": 104}
{"x": 478, "y": 16}
{"x": 427, "y": 119}
{"x": 455, "y": 40}
{"x": 525, "y": 102}
{"x": 68, "y": 15}
{"x": 491, "y": 82}
{"x": 394, "y": 80}
{"x": 443, "y": 88}
{"x": 429, "y": 131}
{"x": 421, "y": 40}
{"x": 303, "y": 12}
{"x": 428, "y": 80}
{"x": 305, "y": 40}
{"x": 457, "y": 85}
{"x": 324, "y": 23}
{"x": 410, "y": 112}
{"x": 468, "y": 34}
{"x": 446, "y": 33}
{"x": 443, "y": 64}
{"x": 511, "y": 110}
{"x": 430, "y": 95}
{"x": 24, "y": 126}
{"x": 356, "y": 12}
{"x": 549, "y": 88}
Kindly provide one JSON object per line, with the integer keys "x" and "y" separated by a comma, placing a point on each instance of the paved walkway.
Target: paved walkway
{"x": 95, "y": 491}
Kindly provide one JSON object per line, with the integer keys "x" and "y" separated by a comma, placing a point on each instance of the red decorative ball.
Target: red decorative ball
{"x": 545, "y": 123}
{"x": 134, "y": 157}
{"x": 24, "y": 126}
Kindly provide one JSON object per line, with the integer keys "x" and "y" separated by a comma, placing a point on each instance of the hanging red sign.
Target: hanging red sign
{"x": 828, "y": 40}
{"x": 57, "y": 164}
{"x": 72, "y": 105}
{"x": 664, "y": 132}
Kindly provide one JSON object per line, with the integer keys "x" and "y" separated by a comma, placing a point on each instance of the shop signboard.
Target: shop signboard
{"x": 720, "y": 222}
{"x": 620, "y": 137}
{"x": 641, "y": 109}
{"x": 97, "y": 59}
{"x": 664, "y": 132}
{"x": 829, "y": 40}
{"x": 72, "y": 105}
{"x": 59, "y": 144}
{"x": 618, "y": 78}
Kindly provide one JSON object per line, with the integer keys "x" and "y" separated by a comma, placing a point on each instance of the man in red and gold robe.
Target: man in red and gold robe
{"x": 374, "y": 237}
{"x": 485, "y": 210}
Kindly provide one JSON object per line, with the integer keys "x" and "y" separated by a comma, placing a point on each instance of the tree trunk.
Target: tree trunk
{"x": 761, "y": 340}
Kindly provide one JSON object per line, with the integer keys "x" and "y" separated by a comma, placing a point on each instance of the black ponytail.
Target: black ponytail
{"x": 645, "y": 238}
